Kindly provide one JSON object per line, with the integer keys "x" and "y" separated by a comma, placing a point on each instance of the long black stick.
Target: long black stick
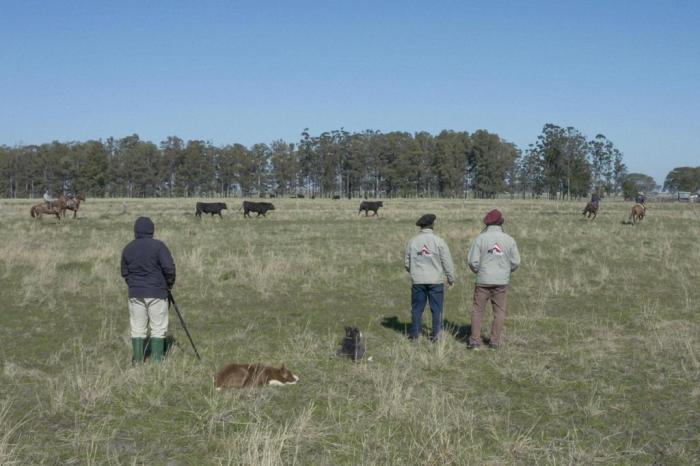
{"x": 182, "y": 321}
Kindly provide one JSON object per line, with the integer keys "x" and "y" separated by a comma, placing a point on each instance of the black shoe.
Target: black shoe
{"x": 474, "y": 347}
{"x": 493, "y": 346}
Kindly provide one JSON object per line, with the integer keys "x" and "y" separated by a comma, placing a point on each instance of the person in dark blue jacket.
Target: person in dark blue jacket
{"x": 149, "y": 271}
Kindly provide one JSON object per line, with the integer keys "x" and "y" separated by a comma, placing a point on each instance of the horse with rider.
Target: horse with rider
{"x": 58, "y": 206}
{"x": 592, "y": 207}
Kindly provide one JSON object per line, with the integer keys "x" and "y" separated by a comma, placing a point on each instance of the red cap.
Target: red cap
{"x": 494, "y": 217}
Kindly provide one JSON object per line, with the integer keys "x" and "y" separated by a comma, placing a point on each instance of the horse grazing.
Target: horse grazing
{"x": 66, "y": 203}
{"x": 39, "y": 209}
{"x": 638, "y": 213}
{"x": 591, "y": 209}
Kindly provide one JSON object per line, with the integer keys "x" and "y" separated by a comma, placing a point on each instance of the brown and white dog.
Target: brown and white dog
{"x": 244, "y": 375}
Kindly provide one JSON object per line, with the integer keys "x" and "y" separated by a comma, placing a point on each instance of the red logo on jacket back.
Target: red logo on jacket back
{"x": 496, "y": 249}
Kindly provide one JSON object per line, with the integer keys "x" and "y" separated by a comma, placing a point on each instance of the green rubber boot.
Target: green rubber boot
{"x": 157, "y": 347}
{"x": 137, "y": 347}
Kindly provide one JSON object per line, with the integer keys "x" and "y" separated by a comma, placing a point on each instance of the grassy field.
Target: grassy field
{"x": 600, "y": 363}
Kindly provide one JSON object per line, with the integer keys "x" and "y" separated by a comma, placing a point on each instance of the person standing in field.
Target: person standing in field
{"x": 492, "y": 257}
{"x": 149, "y": 271}
{"x": 428, "y": 260}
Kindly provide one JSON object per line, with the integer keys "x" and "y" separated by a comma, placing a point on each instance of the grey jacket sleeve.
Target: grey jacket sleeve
{"x": 474, "y": 257}
{"x": 407, "y": 257}
{"x": 514, "y": 257}
{"x": 446, "y": 260}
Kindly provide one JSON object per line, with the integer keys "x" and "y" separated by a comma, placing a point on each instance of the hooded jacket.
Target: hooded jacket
{"x": 147, "y": 265}
{"x": 428, "y": 259}
{"x": 493, "y": 256}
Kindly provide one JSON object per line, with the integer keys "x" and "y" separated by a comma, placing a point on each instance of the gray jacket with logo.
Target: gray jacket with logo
{"x": 428, "y": 259}
{"x": 493, "y": 256}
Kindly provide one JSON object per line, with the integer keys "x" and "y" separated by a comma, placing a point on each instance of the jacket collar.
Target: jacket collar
{"x": 426, "y": 230}
{"x": 493, "y": 228}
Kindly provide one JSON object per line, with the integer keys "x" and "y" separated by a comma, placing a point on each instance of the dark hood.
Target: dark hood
{"x": 144, "y": 228}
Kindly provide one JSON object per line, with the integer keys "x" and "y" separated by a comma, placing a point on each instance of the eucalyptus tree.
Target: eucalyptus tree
{"x": 564, "y": 156}
{"x": 426, "y": 178}
{"x": 450, "y": 162}
{"x": 683, "y": 179}
{"x": 172, "y": 157}
{"x": 309, "y": 162}
{"x": 89, "y": 172}
{"x": 531, "y": 173}
{"x": 605, "y": 162}
{"x": 228, "y": 170}
{"x": 237, "y": 170}
{"x": 492, "y": 163}
{"x": 355, "y": 153}
{"x": 260, "y": 158}
{"x": 285, "y": 166}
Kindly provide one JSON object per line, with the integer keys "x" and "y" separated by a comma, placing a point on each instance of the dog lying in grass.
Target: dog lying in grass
{"x": 244, "y": 375}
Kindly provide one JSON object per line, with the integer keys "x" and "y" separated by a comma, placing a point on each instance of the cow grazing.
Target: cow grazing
{"x": 259, "y": 208}
{"x": 210, "y": 208}
{"x": 370, "y": 205}
{"x": 336, "y": 196}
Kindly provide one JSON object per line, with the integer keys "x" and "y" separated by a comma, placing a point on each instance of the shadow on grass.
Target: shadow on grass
{"x": 459, "y": 332}
{"x": 395, "y": 324}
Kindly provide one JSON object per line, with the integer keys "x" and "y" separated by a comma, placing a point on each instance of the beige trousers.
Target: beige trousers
{"x": 148, "y": 312}
{"x": 482, "y": 295}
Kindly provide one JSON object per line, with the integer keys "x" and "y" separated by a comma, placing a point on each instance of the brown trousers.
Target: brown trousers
{"x": 482, "y": 294}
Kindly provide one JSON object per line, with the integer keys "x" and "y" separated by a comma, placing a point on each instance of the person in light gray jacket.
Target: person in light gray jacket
{"x": 492, "y": 257}
{"x": 428, "y": 260}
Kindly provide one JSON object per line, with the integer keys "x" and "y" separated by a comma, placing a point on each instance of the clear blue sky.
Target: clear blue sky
{"x": 253, "y": 72}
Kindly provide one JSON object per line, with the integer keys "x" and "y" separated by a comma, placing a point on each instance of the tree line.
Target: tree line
{"x": 561, "y": 163}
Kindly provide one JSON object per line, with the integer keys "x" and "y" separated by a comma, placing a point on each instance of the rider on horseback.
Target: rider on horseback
{"x": 641, "y": 198}
{"x": 48, "y": 199}
{"x": 595, "y": 200}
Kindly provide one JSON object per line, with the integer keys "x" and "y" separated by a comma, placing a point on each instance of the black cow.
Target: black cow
{"x": 257, "y": 207}
{"x": 370, "y": 205}
{"x": 210, "y": 208}
{"x": 336, "y": 196}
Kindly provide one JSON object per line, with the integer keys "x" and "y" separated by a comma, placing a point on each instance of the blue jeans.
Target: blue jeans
{"x": 435, "y": 294}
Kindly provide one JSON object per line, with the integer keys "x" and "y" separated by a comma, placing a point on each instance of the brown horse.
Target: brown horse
{"x": 39, "y": 209}
{"x": 638, "y": 213}
{"x": 591, "y": 209}
{"x": 66, "y": 203}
